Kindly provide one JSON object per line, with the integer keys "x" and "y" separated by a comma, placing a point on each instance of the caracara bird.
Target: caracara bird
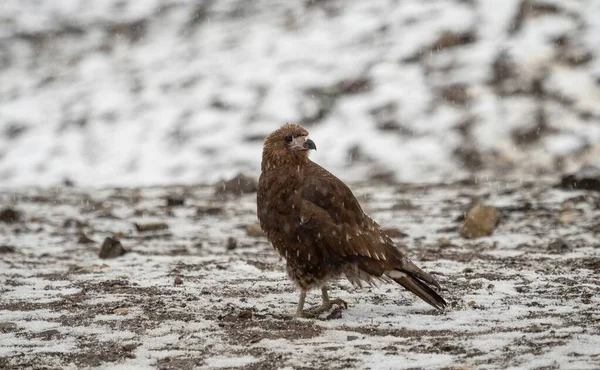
{"x": 316, "y": 223}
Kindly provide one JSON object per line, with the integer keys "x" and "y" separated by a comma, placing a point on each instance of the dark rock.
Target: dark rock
{"x": 71, "y": 222}
{"x": 385, "y": 112}
{"x": 576, "y": 57}
{"x": 14, "y": 130}
{"x": 504, "y": 74}
{"x": 175, "y": 201}
{"x": 67, "y": 182}
{"x": 469, "y": 156}
{"x": 383, "y": 176}
{"x": 350, "y": 338}
{"x": 47, "y": 333}
{"x": 559, "y": 246}
{"x": 326, "y": 98}
{"x": 177, "y": 281}
{"x": 111, "y": 248}
{"x": 587, "y": 178}
{"x": 450, "y": 39}
{"x": 129, "y": 347}
{"x": 532, "y": 133}
{"x": 9, "y": 215}
{"x": 519, "y": 18}
{"x": 7, "y": 326}
{"x": 456, "y": 94}
{"x": 355, "y": 153}
{"x": 7, "y": 249}
{"x": 83, "y": 239}
{"x": 154, "y": 226}
{"x": 133, "y": 31}
{"x": 353, "y": 86}
{"x": 394, "y": 233}
{"x": 404, "y": 205}
{"x": 208, "y": 210}
{"x": 241, "y": 184}
{"x": 231, "y": 243}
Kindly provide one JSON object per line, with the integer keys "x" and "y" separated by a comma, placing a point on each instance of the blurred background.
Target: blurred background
{"x": 124, "y": 92}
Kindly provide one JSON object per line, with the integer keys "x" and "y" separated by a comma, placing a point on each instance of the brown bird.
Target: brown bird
{"x": 316, "y": 223}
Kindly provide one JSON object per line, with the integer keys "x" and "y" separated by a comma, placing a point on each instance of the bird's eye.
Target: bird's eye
{"x": 288, "y": 139}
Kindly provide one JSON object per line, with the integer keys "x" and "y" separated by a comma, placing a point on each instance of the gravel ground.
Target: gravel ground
{"x": 202, "y": 288}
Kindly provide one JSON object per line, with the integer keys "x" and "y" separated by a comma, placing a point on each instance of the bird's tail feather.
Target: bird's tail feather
{"x": 416, "y": 286}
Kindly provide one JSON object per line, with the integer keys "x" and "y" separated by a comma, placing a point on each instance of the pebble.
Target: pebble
{"x": 111, "y": 248}
{"x": 254, "y": 230}
{"x": 154, "y": 226}
{"x": 231, "y": 243}
{"x": 481, "y": 220}
{"x": 9, "y": 215}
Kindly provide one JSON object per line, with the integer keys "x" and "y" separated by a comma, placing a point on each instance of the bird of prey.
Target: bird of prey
{"x": 315, "y": 222}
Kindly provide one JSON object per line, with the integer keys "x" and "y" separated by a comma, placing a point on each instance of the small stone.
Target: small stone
{"x": 154, "y": 226}
{"x": 71, "y": 222}
{"x": 9, "y": 215}
{"x": 467, "y": 270}
{"x": 140, "y": 212}
{"x": 449, "y": 39}
{"x": 456, "y": 94}
{"x": 231, "y": 243}
{"x": 445, "y": 242}
{"x": 559, "y": 246}
{"x": 350, "y": 338}
{"x": 208, "y": 210}
{"x": 47, "y": 333}
{"x": 175, "y": 201}
{"x": 111, "y": 248}
{"x": 481, "y": 220}
{"x": 7, "y": 249}
{"x": 83, "y": 239}
{"x": 121, "y": 311}
{"x": 254, "y": 230}
{"x": 129, "y": 347}
{"x": 177, "y": 281}
{"x": 241, "y": 184}
{"x": 587, "y": 178}
{"x": 394, "y": 233}
{"x": 7, "y": 326}
{"x": 568, "y": 217}
{"x": 404, "y": 205}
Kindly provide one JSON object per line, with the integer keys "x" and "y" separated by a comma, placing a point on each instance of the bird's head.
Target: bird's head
{"x": 288, "y": 144}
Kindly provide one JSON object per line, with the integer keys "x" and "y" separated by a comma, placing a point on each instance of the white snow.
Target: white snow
{"x": 165, "y": 102}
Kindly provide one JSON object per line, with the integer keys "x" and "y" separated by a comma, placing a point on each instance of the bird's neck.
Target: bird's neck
{"x": 289, "y": 164}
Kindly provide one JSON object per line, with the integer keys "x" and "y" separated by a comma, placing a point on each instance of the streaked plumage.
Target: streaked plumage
{"x": 316, "y": 223}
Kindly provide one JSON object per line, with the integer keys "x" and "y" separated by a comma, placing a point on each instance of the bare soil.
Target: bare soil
{"x": 206, "y": 290}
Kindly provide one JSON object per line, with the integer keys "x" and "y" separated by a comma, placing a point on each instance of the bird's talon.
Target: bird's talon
{"x": 339, "y": 302}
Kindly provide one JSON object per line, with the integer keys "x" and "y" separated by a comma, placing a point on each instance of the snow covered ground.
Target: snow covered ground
{"x": 189, "y": 297}
{"x": 160, "y": 92}
{"x": 116, "y": 94}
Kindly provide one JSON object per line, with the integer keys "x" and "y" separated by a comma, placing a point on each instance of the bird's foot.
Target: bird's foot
{"x": 326, "y": 306}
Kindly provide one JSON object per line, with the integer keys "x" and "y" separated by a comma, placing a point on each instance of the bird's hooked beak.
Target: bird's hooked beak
{"x": 309, "y": 144}
{"x": 303, "y": 143}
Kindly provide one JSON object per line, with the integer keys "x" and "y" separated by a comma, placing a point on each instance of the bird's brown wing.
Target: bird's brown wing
{"x": 332, "y": 220}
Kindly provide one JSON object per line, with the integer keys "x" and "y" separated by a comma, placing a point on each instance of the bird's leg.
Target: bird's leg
{"x": 300, "y": 309}
{"x": 327, "y": 304}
